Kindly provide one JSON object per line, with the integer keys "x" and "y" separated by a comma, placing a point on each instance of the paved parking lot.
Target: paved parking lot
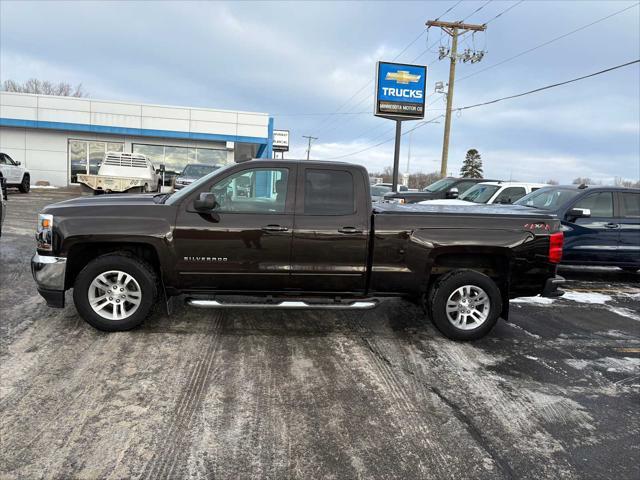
{"x": 555, "y": 393}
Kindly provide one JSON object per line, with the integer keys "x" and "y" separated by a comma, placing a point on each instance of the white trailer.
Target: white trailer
{"x": 123, "y": 172}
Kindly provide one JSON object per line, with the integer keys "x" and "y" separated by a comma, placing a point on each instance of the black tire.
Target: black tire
{"x": 145, "y": 189}
{"x": 25, "y": 185}
{"x": 442, "y": 290}
{"x": 140, "y": 270}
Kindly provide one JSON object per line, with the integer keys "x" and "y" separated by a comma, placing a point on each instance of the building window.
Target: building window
{"x": 85, "y": 156}
{"x": 176, "y": 158}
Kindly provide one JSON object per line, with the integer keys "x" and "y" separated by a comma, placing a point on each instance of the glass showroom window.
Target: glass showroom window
{"x": 176, "y": 158}
{"x": 86, "y": 156}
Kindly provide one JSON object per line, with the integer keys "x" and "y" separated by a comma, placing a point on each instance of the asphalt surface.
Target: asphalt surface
{"x": 234, "y": 394}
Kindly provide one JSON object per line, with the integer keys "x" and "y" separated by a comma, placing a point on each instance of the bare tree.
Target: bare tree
{"x": 582, "y": 180}
{"x": 45, "y": 87}
{"x": 420, "y": 180}
{"x": 552, "y": 182}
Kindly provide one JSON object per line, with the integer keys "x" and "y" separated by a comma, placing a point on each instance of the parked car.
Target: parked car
{"x": 3, "y": 201}
{"x": 491, "y": 192}
{"x": 601, "y": 224}
{"x": 193, "y": 172}
{"x": 448, "y": 187}
{"x": 401, "y": 188}
{"x": 233, "y": 232}
{"x": 378, "y": 191}
{"x": 123, "y": 172}
{"x": 14, "y": 173}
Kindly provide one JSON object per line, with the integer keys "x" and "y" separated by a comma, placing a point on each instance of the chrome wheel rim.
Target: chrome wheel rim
{"x": 114, "y": 295}
{"x": 468, "y": 307}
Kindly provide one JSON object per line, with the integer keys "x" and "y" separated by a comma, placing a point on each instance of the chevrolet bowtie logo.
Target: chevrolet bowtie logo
{"x": 403, "y": 77}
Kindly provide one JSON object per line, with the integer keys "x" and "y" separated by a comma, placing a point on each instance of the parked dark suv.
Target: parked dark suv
{"x": 601, "y": 224}
{"x": 447, "y": 187}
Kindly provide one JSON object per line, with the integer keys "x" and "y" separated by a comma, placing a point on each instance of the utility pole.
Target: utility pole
{"x": 309, "y": 147}
{"x": 454, "y": 29}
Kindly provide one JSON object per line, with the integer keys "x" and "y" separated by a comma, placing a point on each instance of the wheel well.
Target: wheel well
{"x": 80, "y": 255}
{"x": 495, "y": 266}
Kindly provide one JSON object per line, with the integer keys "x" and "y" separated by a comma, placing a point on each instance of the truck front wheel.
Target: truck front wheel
{"x": 115, "y": 292}
{"x": 465, "y": 304}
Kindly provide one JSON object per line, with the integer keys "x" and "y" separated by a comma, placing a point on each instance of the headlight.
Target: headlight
{"x": 44, "y": 232}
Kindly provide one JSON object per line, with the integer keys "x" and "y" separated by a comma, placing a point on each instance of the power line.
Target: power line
{"x": 448, "y": 10}
{"x": 322, "y": 125}
{"x": 548, "y": 42}
{"x": 547, "y": 87}
{"x": 384, "y": 141}
{"x": 476, "y": 11}
{"x": 529, "y": 50}
{"x": 503, "y": 12}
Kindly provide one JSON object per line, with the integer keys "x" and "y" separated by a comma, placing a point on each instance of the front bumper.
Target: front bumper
{"x": 49, "y": 274}
{"x": 551, "y": 287}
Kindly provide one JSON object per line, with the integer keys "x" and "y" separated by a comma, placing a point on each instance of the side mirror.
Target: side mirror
{"x": 579, "y": 213}
{"x": 18, "y": 163}
{"x": 205, "y": 203}
{"x": 452, "y": 193}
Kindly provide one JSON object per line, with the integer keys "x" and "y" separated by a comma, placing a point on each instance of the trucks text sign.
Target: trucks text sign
{"x": 400, "y": 90}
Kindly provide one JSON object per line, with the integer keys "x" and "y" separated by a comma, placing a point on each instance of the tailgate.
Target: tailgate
{"x": 114, "y": 184}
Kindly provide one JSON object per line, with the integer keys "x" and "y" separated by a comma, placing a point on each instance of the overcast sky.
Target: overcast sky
{"x": 296, "y": 60}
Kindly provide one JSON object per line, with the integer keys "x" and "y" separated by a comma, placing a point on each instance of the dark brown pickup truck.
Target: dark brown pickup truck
{"x": 298, "y": 234}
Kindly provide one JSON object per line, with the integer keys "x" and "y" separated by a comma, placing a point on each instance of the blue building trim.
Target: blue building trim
{"x": 266, "y": 149}
{"x": 265, "y": 143}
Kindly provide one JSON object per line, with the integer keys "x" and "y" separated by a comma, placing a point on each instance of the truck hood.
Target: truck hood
{"x": 105, "y": 200}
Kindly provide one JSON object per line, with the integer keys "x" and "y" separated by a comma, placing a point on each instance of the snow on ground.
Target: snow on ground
{"x": 535, "y": 300}
{"x": 586, "y": 297}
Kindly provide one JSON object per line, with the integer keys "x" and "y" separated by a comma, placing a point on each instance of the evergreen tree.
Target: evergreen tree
{"x": 472, "y": 165}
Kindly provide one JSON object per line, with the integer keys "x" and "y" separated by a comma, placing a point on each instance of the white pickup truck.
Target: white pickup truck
{"x": 123, "y": 172}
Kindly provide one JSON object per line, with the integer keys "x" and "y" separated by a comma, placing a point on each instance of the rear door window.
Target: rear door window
{"x": 510, "y": 195}
{"x": 328, "y": 192}
{"x": 629, "y": 205}
{"x": 600, "y": 204}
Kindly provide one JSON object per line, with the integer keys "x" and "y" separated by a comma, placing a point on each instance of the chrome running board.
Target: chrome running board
{"x": 285, "y": 304}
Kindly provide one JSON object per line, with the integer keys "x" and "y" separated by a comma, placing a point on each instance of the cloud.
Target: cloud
{"x": 312, "y": 57}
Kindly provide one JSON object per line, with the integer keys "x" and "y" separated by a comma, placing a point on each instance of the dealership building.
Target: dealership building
{"x": 57, "y": 138}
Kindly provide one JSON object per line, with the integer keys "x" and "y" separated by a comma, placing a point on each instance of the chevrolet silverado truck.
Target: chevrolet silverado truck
{"x": 293, "y": 234}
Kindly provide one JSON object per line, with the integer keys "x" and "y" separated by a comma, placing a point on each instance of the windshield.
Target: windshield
{"x": 479, "y": 193}
{"x": 379, "y": 190}
{"x": 547, "y": 198}
{"x": 180, "y": 194}
{"x": 440, "y": 185}
{"x": 198, "y": 171}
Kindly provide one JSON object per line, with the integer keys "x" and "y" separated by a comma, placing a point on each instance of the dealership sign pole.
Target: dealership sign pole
{"x": 400, "y": 95}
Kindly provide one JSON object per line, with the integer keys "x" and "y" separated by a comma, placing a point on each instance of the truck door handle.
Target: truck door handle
{"x": 612, "y": 225}
{"x": 274, "y": 228}
{"x": 349, "y": 230}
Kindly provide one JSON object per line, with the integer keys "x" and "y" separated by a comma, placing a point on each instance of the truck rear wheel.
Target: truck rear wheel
{"x": 25, "y": 184}
{"x": 465, "y": 304}
{"x": 115, "y": 292}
